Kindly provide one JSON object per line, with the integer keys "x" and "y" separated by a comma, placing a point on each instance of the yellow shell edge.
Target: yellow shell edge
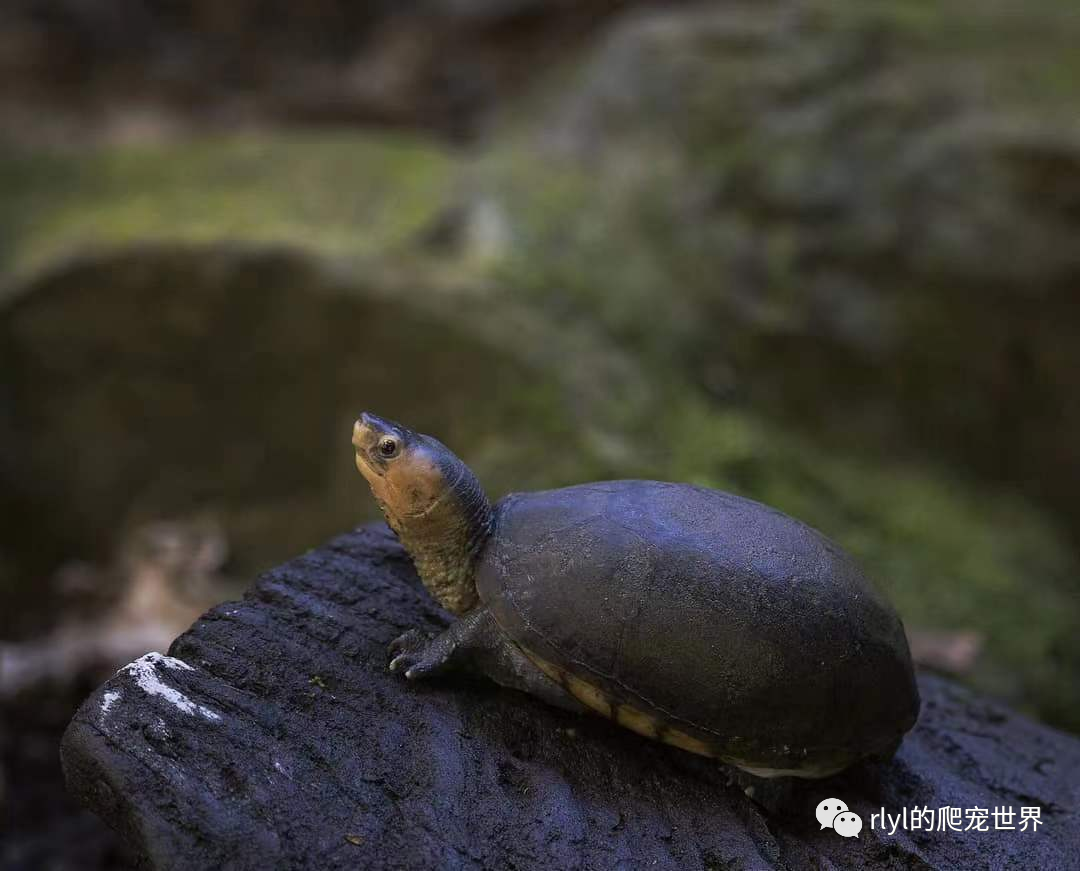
{"x": 626, "y": 716}
{"x": 651, "y": 726}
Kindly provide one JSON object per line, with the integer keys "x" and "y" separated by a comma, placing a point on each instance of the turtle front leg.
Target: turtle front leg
{"x": 476, "y": 644}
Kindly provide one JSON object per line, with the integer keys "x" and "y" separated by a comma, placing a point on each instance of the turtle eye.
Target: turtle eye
{"x": 388, "y": 446}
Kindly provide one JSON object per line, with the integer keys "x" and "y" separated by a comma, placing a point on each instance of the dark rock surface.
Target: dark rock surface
{"x": 275, "y": 737}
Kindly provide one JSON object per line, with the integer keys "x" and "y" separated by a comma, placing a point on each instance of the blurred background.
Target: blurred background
{"x": 825, "y": 254}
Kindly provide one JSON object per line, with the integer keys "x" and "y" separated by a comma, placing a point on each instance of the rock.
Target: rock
{"x": 272, "y": 735}
{"x": 183, "y": 415}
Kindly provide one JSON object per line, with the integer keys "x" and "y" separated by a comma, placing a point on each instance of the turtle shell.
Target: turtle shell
{"x": 701, "y": 618}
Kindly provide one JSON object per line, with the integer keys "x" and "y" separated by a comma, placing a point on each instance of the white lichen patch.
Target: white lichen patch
{"x": 108, "y": 700}
{"x": 145, "y": 670}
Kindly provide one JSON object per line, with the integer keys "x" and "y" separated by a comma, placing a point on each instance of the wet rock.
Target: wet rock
{"x": 272, "y": 735}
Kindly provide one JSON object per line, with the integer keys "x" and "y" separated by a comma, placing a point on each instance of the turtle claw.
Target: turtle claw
{"x": 415, "y": 664}
{"x": 412, "y": 654}
{"x": 403, "y": 661}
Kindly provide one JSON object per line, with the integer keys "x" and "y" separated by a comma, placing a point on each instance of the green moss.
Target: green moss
{"x": 332, "y": 193}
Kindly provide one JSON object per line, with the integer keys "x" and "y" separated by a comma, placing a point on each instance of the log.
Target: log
{"x": 273, "y": 736}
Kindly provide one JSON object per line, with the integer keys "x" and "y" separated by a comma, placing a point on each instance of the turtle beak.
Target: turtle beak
{"x": 364, "y": 435}
{"x": 367, "y": 430}
{"x": 364, "y": 432}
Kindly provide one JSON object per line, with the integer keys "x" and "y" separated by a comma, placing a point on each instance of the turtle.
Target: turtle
{"x": 689, "y": 615}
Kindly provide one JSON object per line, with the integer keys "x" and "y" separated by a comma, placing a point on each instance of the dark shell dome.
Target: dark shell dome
{"x": 717, "y": 615}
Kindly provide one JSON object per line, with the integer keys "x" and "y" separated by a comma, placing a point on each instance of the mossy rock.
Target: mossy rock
{"x": 213, "y": 313}
{"x": 858, "y": 220}
{"x": 167, "y": 381}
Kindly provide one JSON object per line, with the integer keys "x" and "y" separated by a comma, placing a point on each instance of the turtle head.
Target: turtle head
{"x": 431, "y": 499}
{"x": 408, "y": 473}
